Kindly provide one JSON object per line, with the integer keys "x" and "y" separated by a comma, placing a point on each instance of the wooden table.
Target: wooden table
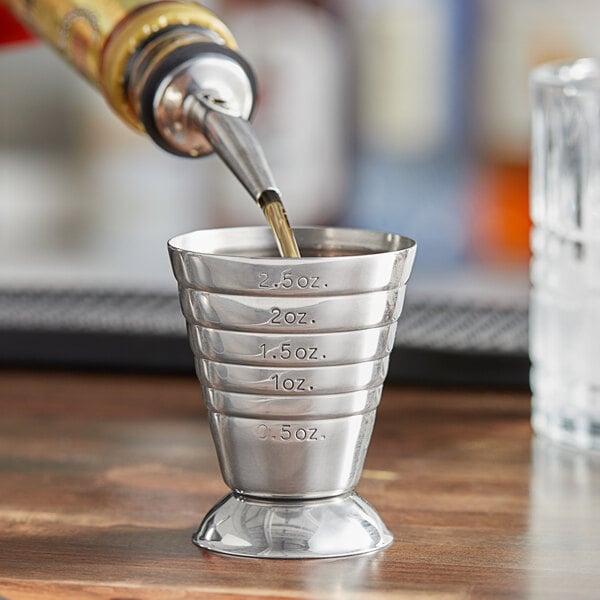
{"x": 104, "y": 478}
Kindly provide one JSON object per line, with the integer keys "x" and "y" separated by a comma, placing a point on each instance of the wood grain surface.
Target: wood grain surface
{"x": 104, "y": 478}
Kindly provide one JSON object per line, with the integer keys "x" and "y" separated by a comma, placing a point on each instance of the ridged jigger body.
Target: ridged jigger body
{"x": 292, "y": 354}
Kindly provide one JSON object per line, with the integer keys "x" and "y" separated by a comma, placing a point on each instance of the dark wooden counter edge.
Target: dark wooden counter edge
{"x": 104, "y": 478}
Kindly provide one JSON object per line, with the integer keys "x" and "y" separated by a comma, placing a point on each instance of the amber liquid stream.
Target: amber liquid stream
{"x": 274, "y": 212}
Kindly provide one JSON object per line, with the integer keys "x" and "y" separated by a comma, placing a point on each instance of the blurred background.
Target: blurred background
{"x": 404, "y": 115}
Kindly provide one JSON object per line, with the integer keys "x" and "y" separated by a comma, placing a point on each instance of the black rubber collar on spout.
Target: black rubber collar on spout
{"x": 165, "y": 67}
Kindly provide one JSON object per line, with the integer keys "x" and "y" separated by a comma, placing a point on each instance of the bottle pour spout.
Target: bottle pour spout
{"x": 232, "y": 138}
{"x": 197, "y": 99}
{"x": 202, "y": 105}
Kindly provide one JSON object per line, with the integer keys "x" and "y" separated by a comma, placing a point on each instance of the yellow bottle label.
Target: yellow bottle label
{"x": 78, "y": 29}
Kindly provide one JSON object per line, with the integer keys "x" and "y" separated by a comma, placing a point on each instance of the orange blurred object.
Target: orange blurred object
{"x": 11, "y": 30}
{"x": 500, "y": 219}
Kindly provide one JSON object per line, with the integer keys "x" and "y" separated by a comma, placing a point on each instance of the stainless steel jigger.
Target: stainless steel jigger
{"x": 292, "y": 355}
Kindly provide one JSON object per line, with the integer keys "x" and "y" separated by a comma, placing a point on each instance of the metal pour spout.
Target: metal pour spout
{"x": 195, "y": 98}
{"x": 232, "y": 138}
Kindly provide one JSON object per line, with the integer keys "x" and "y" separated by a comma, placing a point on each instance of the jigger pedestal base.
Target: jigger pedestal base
{"x": 326, "y": 528}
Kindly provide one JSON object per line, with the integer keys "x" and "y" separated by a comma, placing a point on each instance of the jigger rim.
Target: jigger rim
{"x": 214, "y": 242}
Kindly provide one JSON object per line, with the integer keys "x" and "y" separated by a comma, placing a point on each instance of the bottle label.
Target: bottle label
{"x": 76, "y": 28}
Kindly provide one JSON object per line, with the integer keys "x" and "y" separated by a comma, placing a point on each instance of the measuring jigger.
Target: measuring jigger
{"x": 292, "y": 354}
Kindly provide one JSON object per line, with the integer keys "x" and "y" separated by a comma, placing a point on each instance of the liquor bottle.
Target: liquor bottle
{"x": 158, "y": 64}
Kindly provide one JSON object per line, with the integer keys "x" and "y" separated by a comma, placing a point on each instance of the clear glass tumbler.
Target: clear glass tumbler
{"x": 565, "y": 241}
